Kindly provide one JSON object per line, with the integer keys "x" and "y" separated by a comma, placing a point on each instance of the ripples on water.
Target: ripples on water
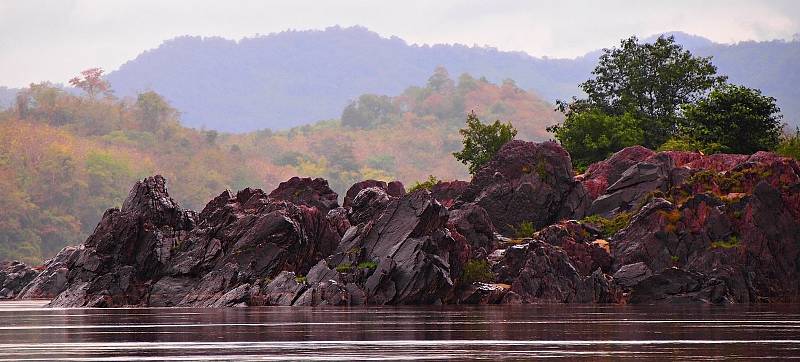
{"x": 30, "y": 332}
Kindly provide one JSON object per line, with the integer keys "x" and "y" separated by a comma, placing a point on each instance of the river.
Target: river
{"x": 28, "y": 331}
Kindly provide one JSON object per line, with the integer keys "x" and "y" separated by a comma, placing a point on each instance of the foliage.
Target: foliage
{"x": 592, "y": 135}
{"x": 790, "y": 146}
{"x": 370, "y": 111}
{"x": 737, "y": 118}
{"x": 732, "y": 242}
{"x": 481, "y": 142}
{"x": 650, "y": 81}
{"x": 477, "y": 270}
{"x": 344, "y": 267}
{"x": 525, "y": 229}
{"x": 368, "y": 265}
{"x": 609, "y": 226}
{"x": 424, "y": 185}
{"x": 301, "y": 279}
{"x": 91, "y": 81}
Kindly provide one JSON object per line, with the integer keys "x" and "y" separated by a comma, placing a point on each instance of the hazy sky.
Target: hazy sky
{"x": 53, "y": 40}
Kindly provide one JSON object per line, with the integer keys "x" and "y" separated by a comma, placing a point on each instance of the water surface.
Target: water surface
{"x": 30, "y": 332}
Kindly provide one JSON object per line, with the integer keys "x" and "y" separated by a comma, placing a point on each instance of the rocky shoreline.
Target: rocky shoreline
{"x": 639, "y": 227}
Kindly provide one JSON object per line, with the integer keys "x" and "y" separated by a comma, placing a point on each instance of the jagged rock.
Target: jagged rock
{"x": 396, "y": 189}
{"x": 602, "y": 174}
{"x": 368, "y": 204}
{"x": 14, "y": 276}
{"x": 410, "y": 258}
{"x": 675, "y": 286}
{"x": 631, "y": 274}
{"x": 473, "y": 223}
{"x": 53, "y": 279}
{"x": 542, "y": 273}
{"x": 535, "y": 180}
{"x": 127, "y": 249}
{"x": 659, "y": 173}
{"x": 307, "y": 191}
{"x": 448, "y": 192}
{"x": 357, "y": 187}
{"x": 483, "y": 293}
{"x": 151, "y": 252}
{"x": 587, "y": 253}
{"x": 338, "y": 219}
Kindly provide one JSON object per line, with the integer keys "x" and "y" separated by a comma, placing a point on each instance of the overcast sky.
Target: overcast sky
{"x": 53, "y": 40}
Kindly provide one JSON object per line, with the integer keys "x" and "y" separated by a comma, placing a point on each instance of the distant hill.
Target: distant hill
{"x": 298, "y": 77}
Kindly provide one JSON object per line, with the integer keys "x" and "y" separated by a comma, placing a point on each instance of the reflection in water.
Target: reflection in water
{"x": 29, "y": 332}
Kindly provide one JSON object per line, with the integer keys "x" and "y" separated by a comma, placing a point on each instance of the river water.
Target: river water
{"x": 30, "y": 332}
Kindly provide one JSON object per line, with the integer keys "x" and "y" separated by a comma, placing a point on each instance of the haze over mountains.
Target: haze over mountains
{"x": 299, "y": 77}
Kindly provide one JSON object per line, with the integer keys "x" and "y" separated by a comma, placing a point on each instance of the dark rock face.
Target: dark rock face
{"x": 587, "y": 253}
{"x": 357, "y": 187}
{"x": 473, "y": 223}
{"x": 14, "y": 276}
{"x": 542, "y": 273}
{"x": 53, "y": 279}
{"x": 396, "y": 189}
{"x": 368, "y": 204}
{"x": 405, "y": 255}
{"x": 307, "y": 191}
{"x": 735, "y": 233}
{"x": 448, "y": 192}
{"x": 599, "y": 176}
{"x": 535, "y": 180}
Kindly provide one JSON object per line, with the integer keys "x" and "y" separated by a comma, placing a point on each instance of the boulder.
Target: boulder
{"x": 678, "y": 286}
{"x": 14, "y": 276}
{"x": 527, "y": 182}
{"x": 368, "y": 204}
{"x": 307, "y": 191}
{"x": 586, "y": 251}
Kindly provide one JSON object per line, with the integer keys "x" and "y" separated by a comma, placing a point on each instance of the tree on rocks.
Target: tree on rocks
{"x": 482, "y": 141}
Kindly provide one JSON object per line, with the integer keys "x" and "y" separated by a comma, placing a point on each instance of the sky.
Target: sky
{"x": 53, "y": 40}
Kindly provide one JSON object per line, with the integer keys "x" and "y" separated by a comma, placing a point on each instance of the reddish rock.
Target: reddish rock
{"x": 527, "y": 182}
{"x": 448, "y": 191}
{"x": 307, "y": 191}
{"x": 602, "y": 174}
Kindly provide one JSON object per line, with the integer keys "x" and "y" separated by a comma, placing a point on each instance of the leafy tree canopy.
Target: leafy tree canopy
{"x": 736, "y": 118}
{"x": 370, "y": 111}
{"x": 592, "y": 135}
{"x": 482, "y": 141}
{"x": 650, "y": 81}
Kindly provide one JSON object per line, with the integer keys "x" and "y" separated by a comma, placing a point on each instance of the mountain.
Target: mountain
{"x": 297, "y": 77}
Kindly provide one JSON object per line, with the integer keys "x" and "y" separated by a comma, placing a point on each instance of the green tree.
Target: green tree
{"x": 370, "y": 111}
{"x": 482, "y": 141}
{"x": 737, "y": 118}
{"x": 650, "y": 81}
{"x": 790, "y": 145}
{"x": 592, "y": 135}
{"x": 153, "y": 111}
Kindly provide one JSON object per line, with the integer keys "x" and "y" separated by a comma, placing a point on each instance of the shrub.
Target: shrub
{"x": 524, "y": 230}
{"x": 424, "y": 185}
{"x": 732, "y": 242}
{"x": 482, "y": 141}
{"x": 477, "y": 271}
{"x": 609, "y": 226}
{"x": 344, "y": 267}
{"x": 300, "y": 279}
{"x": 368, "y": 265}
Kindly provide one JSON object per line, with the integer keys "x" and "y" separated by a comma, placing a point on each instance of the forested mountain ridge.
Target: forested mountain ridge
{"x": 270, "y": 81}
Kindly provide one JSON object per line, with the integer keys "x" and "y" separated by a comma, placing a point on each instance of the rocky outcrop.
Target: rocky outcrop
{"x": 535, "y": 180}
{"x": 404, "y": 255}
{"x": 447, "y": 192}
{"x": 51, "y": 281}
{"x": 667, "y": 227}
{"x": 14, "y": 276}
{"x": 307, "y": 191}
